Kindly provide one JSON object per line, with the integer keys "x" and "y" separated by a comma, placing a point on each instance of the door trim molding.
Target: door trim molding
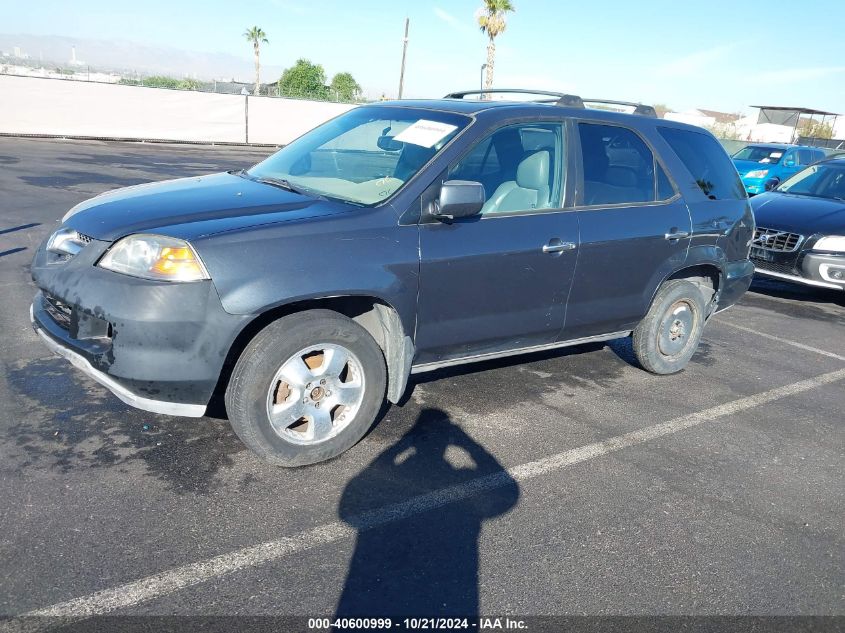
{"x": 425, "y": 367}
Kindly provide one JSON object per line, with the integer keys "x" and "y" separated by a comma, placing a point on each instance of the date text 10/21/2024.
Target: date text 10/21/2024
{"x": 419, "y": 623}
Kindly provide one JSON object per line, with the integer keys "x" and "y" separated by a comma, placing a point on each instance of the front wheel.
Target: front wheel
{"x": 306, "y": 388}
{"x": 668, "y": 336}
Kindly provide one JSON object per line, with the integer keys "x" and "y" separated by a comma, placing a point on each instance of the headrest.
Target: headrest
{"x": 620, "y": 177}
{"x": 533, "y": 172}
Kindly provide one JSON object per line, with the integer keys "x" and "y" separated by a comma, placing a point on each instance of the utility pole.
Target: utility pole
{"x": 404, "y": 51}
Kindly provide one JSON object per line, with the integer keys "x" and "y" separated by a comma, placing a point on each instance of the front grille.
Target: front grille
{"x": 762, "y": 264}
{"x": 774, "y": 240}
{"x": 60, "y": 312}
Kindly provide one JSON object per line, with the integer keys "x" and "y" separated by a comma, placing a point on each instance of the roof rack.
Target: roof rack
{"x": 557, "y": 98}
{"x": 639, "y": 108}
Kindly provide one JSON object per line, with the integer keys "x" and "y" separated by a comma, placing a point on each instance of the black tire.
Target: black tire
{"x": 252, "y": 378}
{"x": 668, "y": 336}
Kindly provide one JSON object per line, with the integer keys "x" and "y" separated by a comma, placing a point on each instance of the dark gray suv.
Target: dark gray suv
{"x": 398, "y": 238}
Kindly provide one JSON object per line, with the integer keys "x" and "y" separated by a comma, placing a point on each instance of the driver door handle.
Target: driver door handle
{"x": 557, "y": 246}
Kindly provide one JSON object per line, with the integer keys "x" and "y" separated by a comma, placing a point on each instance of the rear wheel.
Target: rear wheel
{"x": 306, "y": 388}
{"x": 668, "y": 336}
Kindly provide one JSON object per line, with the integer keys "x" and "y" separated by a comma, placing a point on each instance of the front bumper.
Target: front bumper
{"x": 808, "y": 268}
{"x": 158, "y": 346}
{"x": 133, "y": 399}
{"x": 755, "y": 188}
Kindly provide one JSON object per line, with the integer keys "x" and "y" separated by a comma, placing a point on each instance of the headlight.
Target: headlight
{"x": 154, "y": 257}
{"x": 831, "y": 243}
{"x": 760, "y": 173}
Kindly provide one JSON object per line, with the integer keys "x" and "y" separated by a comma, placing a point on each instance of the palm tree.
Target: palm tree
{"x": 491, "y": 20}
{"x": 257, "y": 37}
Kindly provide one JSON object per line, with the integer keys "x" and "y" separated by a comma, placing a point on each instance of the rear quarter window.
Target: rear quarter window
{"x": 707, "y": 161}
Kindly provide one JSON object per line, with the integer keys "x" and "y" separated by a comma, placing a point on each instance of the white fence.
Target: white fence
{"x": 35, "y": 106}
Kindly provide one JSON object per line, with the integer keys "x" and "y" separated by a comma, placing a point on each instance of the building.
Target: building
{"x": 703, "y": 118}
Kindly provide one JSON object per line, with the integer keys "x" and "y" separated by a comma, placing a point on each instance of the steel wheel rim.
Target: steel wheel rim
{"x": 676, "y": 328}
{"x": 315, "y": 394}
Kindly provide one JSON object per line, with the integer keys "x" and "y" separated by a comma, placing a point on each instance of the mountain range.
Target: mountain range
{"x": 132, "y": 57}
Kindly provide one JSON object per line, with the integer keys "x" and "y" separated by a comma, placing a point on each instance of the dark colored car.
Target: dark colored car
{"x": 763, "y": 166}
{"x": 396, "y": 239}
{"x": 801, "y": 227}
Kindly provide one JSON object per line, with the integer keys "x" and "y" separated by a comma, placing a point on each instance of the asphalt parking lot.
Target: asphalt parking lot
{"x": 560, "y": 483}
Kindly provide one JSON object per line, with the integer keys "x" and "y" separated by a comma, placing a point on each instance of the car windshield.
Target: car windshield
{"x": 363, "y": 156}
{"x": 758, "y": 154}
{"x": 826, "y": 180}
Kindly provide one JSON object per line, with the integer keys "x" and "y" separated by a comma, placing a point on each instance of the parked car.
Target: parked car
{"x": 800, "y": 235}
{"x": 763, "y": 166}
{"x": 395, "y": 239}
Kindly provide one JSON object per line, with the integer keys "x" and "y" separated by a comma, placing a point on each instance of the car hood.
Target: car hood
{"x": 799, "y": 214}
{"x": 192, "y": 207}
{"x": 744, "y": 166}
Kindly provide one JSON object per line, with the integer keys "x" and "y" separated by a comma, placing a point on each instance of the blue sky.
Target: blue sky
{"x": 718, "y": 54}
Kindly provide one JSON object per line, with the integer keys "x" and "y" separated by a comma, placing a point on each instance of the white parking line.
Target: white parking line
{"x": 170, "y": 581}
{"x": 785, "y": 341}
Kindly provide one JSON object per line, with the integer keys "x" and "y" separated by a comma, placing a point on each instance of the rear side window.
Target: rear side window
{"x": 708, "y": 163}
{"x": 808, "y": 156}
{"x": 619, "y": 168}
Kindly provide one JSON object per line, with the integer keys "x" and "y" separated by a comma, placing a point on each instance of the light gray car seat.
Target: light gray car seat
{"x": 530, "y": 190}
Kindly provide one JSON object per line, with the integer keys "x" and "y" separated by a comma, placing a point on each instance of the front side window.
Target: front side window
{"x": 520, "y": 167}
{"x": 619, "y": 167}
{"x": 706, "y": 160}
{"x": 364, "y": 156}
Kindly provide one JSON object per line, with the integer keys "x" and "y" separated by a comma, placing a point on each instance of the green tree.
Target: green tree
{"x": 345, "y": 88}
{"x": 257, "y": 37}
{"x": 304, "y": 80}
{"x": 160, "y": 81}
{"x": 188, "y": 84}
{"x": 725, "y": 131}
{"x": 661, "y": 109}
{"x": 492, "y": 22}
{"x": 815, "y": 129}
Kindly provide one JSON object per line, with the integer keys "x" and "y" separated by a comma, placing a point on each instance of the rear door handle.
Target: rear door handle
{"x": 557, "y": 246}
{"x": 675, "y": 234}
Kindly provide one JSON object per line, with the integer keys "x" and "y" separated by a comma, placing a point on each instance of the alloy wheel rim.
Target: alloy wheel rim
{"x": 315, "y": 394}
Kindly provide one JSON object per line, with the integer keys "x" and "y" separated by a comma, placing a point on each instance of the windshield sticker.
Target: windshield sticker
{"x": 776, "y": 154}
{"x": 425, "y": 133}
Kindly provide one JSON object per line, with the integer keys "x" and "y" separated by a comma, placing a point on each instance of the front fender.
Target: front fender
{"x": 363, "y": 253}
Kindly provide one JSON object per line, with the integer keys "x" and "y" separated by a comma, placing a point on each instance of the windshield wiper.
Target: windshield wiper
{"x": 281, "y": 183}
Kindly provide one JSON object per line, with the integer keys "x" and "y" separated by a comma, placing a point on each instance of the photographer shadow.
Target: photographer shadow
{"x": 424, "y": 565}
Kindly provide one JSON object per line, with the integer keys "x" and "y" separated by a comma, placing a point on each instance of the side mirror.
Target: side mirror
{"x": 458, "y": 199}
{"x": 789, "y": 163}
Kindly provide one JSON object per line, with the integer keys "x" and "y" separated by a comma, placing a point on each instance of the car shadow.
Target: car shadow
{"x": 796, "y": 292}
{"x": 529, "y": 375}
{"x": 425, "y": 564}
